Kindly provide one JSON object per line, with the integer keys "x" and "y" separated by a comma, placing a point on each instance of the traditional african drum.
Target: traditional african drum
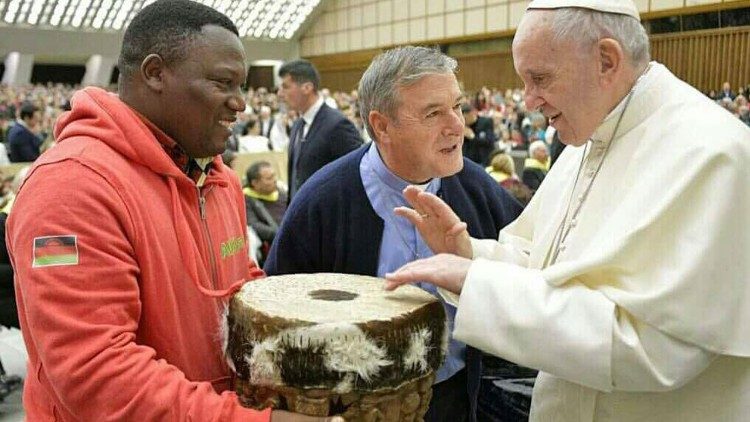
{"x": 336, "y": 344}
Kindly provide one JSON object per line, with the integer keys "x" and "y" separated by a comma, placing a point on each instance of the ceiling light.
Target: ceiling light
{"x": 254, "y": 18}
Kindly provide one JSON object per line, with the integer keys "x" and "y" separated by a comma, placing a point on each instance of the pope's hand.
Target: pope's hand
{"x": 443, "y": 270}
{"x": 284, "y": 416}
{"x": 439, "y": 226}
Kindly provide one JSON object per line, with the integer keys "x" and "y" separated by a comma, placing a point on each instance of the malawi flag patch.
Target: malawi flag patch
{"x": 55, "y": 250}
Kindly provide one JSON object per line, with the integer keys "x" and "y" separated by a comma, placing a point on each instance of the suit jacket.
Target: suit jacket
{"x": 23, "y": 144}
{"x": 331, "y": 135}
{"x": 478, "y": 149}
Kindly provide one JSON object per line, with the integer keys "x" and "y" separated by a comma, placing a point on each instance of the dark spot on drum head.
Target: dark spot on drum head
{"x": 332, "y": 295}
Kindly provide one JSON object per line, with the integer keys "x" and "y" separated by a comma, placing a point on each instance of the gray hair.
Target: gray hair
{"x": 393, "y": 69}
{"x": 585, "y": 25}
{"x": 535, "y": 146}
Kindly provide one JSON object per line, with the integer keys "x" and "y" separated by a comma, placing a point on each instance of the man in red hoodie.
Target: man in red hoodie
{"x": 123, "y": 269}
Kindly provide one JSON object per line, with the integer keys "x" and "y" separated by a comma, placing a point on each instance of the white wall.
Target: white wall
{"x": 351, "y": 25}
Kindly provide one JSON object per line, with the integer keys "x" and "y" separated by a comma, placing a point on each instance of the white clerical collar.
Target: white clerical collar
{"x": 603, "y": 133}
{"x": 309, "y": 115}
{"x": 423, "y": 186}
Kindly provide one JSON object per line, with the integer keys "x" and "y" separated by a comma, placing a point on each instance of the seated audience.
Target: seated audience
{"x": 503, "y": 170}
{"x": 251, "y": 139}
{"x": 536, "y": 166}
{"x": 265, "y": 204}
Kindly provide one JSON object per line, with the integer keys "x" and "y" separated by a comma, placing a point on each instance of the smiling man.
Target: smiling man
{"x": 625, "y": 280}
{"x": 343, "y": 219}
{"x": 122, "y": 271}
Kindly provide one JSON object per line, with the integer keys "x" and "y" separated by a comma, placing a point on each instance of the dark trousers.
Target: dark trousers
{"x": 450, "y": 400}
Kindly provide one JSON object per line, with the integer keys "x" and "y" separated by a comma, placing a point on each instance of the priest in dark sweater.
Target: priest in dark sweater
{"x": 342, "y": 219}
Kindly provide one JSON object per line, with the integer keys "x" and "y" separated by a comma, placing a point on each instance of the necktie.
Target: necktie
{"x": 296, "y": 151}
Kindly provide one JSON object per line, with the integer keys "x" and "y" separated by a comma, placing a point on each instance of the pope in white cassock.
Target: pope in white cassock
{"x": 626, "y": 281}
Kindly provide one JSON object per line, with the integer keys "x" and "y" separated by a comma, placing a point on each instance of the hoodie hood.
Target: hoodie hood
{"x": 99, "y": 114}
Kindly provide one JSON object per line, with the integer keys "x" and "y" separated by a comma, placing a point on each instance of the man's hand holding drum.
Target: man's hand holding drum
{"x": 284, "y": 416}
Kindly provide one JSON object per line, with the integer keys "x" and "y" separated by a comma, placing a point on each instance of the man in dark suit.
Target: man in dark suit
{"x": 479, "y": 136}
{"x": 23, "y": 143}
{"x": 322, "y": 134}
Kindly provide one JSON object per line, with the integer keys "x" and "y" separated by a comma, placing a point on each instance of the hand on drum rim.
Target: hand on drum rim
{"x": 443, "y": 270}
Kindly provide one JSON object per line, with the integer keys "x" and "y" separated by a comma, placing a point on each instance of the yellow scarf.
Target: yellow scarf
{"x": 536, "y": 164}
{"x": 269, "y": 197}
{"x": 499, "y": 176}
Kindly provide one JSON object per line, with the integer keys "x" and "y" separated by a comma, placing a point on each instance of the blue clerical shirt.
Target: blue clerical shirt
{"x": 401, "y": 241}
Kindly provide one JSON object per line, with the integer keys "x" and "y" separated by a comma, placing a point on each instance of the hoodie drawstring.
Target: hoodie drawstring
{"x": 185, "y": 241}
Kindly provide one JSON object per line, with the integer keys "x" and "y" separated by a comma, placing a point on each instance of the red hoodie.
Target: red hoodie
{"x": 119, "y": 275}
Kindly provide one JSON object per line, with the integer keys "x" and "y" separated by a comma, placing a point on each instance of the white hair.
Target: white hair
{"x": 589, "y": 26}
{"x": 535, "y": 146}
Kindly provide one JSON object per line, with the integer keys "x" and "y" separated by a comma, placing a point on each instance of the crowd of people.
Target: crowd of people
{"x": 500, "y": 118}
{"x": 734, "y": 102}
{"x": 266, "y": 123}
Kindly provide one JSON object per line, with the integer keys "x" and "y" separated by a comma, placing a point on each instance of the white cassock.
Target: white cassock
{"x": 645, "y": 314}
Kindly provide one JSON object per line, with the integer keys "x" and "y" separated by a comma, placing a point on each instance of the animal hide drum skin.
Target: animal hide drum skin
{"x": 325, "y": 344}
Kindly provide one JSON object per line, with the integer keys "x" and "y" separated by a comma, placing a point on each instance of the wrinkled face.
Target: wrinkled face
{"x": 205, "y": 92}
{"x": 424, "y": 139}
{"x": 266, "y": 182}
{"x": 295, "y": 95}
{"x": 560, "y": 77}
{"x": 540, "y": 154}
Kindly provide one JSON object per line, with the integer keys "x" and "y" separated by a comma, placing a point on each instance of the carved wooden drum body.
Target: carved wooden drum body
{"x": 327, "y": 344}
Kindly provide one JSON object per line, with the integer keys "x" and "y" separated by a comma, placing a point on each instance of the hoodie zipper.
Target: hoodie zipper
{"x": 207, "y": 234}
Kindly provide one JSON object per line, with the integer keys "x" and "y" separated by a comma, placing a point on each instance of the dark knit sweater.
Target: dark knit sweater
{"x": 331, "y": 226}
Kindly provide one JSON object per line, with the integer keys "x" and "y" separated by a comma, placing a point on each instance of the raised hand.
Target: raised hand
{"x": 439, "y": 226}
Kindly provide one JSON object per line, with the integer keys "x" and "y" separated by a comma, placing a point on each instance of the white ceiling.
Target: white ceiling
{"x": 257, "y": 19}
